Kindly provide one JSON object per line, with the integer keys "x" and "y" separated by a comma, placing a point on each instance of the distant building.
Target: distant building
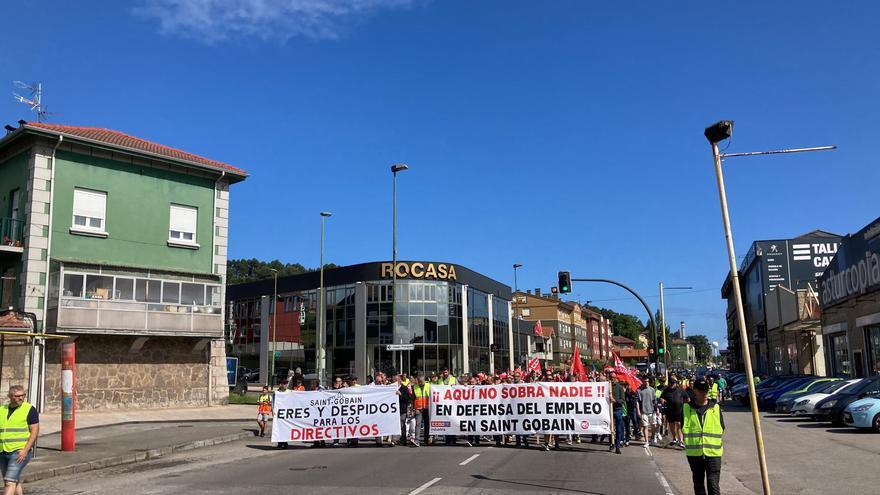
{"x": 682, "y": 354}
{"x": 628, "y": 351}
{"x": 779, "y": 286}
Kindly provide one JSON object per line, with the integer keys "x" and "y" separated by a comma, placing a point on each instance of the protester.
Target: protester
{"x": 16, "y": 418}
{"x": 618, "y": 397}
{"x": 647, "y": 398}
{"x": 674, "y": 398}
{"x": 353, "y": 382}
{"x": 264, "y": 410}
{"x": 282, "y": 387}
{"x": 421, "y": 395}
{"x": 703, "y": 432}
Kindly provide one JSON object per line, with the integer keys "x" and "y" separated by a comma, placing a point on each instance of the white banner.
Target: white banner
{"x": 352, "y": 412}
{"x": 521, "y": 408}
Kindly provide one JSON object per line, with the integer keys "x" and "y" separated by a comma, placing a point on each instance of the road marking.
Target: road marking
{"x": 666, "y": 487}
{"x": 428, "y": 484}
{"x": 469, "y": 459}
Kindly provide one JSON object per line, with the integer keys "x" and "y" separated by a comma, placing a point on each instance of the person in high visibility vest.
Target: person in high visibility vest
{"x": 264, "y": 410}
{"x": 703, "y": 430}
{"x": 713, "y": 390}
{"x": 422, "y": 395}
{"x": 19, "y": 428}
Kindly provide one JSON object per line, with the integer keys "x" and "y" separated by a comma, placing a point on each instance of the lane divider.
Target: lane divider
{"x": 469, "y": 459}
{"x": 424, "y": 487}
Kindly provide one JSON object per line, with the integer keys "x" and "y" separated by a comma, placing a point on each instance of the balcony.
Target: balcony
{"x": 136, "y": 318}
{"x": 11, "y": 235}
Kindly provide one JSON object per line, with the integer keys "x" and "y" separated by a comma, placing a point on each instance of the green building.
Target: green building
{"x": 120, "y": 244}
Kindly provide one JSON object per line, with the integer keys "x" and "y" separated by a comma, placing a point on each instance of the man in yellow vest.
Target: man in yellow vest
{"x": 421, "y": 400}
{"x": 703, "y": 429}
{"x": 19, "y": 427}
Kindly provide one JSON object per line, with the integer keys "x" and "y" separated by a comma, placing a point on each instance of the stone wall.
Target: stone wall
{"x": 14, "y": 365}
{"x": 121, "y": 372}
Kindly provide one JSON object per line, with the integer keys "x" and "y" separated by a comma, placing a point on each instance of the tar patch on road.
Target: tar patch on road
{"x": 306, "y": 468}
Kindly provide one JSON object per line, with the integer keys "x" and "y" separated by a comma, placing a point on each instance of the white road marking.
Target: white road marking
{"x": 666, "y": 487}
{"x": 469, "y": 459}
{"x": 428, "y": 484}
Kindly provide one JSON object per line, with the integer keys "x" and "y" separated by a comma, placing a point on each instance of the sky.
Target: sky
{"x": 564, "y": 135}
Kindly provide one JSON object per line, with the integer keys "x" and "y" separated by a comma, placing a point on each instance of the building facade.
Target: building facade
{"x": 682, "y": 354}
{"x": 850, "y": 297}
{"x": 119, "y": 244}
{"x": 438, "y": 315}
{"x": 778, "y": 279}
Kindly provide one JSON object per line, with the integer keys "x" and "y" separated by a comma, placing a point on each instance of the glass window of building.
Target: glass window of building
{"x": 840, "y": 355}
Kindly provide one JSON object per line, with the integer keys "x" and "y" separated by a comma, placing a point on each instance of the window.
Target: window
{"x": 89, "y": 210}
{"x": 148, "y": 291}
{"x": 99, "y": 287}
{"x": 192, "y": 294}
{"x": 182, "y": 224}
{"x": 73, "y": 285}
{"x": 124, "y": 289}
{"x": 170, "y": 292}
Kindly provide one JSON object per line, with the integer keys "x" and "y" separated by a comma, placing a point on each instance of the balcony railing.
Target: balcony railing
{"x": 135, "y": 317}
{"x": 11, "y": 233}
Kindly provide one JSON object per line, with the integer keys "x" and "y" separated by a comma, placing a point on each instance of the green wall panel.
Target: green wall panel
{"x": 138, "y": 201}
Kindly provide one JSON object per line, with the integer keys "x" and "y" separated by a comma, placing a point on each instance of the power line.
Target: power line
{"x": 677, "y": 293}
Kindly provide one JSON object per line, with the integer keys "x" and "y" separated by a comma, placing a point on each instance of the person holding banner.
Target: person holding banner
{"x": 282, "y": 387}
{"x": 421, "y": 396}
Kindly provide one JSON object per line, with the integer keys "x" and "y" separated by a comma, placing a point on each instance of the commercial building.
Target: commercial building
{"x": 438, "y": 315}
{"x": 850, "y": 296}
{"x": 565, "y": 324}
{"x": 120, "y": 244}
{"x": 778, "y": 279}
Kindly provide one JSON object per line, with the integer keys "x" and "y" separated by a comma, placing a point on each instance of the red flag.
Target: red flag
{"x": 539, "y": 330}
{"x": 626, "y": 374}
{"x": 535, "y": 365}
{"x": 577, "y": 367}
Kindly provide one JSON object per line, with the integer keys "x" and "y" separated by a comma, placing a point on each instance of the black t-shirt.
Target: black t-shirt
{"x": 33, "y": 416}
{"x": 674, "y": 398}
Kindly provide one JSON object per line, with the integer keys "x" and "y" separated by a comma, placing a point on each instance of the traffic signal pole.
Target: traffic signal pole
{"x": 637, "y": 296}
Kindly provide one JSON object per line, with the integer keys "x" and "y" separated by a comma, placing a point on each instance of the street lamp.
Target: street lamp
{"x": 400, "y": 167}
{"x": 274, "y": 321}
{"x": 716, "y": 133}
{"x": 663, "y": 326}
{"x": 516, "y": 308}
{"x": 320, "y": 344}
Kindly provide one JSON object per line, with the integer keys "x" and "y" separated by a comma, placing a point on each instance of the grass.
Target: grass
{"x": 234, "y": 398}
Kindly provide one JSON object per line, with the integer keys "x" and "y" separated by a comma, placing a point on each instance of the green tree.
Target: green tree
{"x": 622, "y": 324}
{"x": 241, "y": 271}
{"x": 702, "y": 347}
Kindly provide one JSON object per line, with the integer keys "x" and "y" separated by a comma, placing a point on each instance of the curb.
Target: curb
{"x": 156, "y": 421}
{"x": 123, "y": 459}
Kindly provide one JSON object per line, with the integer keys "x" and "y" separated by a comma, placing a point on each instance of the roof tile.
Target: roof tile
{"x": 10, "y": 321}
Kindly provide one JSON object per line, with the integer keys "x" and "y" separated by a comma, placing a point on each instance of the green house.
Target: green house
{"x": 120, "y": 244}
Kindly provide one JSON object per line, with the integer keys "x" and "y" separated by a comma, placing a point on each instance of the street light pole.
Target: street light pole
{"x": 516, "y": 308}
{"x": 274, "y": 326}
{"x": 320, "y": 340}
{"x": 400, "y": 167}
{"x": 716, "y": 133}
{"x": 666, "y": 357}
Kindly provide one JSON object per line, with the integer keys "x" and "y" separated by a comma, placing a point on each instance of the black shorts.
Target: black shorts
{"x": 674, "y": 416}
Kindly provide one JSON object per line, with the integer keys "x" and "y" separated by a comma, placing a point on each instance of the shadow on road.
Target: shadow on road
{"x": 522, "y": 483}
{"x": 795, "y": 420}
{"x": 814, "y": 425}
{"x": 855, "y": 431}
{"x": 273, "y": 447}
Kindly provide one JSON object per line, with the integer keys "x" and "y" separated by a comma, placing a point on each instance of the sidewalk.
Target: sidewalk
{"x": 105, "y": 439}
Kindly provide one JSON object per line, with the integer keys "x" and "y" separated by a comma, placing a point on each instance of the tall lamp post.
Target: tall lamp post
{"x": 716, "y": 133}
{"x": 274, "y": 320}
{"x": 400, "y": 167}
{"x": 516, "y": 306}
{"x": 320, "y": 340}
{"x": 663, "y": 326}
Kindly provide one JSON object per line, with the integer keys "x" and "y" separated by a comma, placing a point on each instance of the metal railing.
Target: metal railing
{"x": 11, "y": 232}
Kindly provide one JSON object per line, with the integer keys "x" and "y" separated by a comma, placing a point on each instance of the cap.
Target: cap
{"x": 702, "y": 386}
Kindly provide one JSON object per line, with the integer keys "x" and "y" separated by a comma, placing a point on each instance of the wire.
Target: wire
{"x": 676, "y": 293}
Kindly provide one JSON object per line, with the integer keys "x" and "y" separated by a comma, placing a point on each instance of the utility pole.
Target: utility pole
{"x": 321, "y": 337}
{"x": 666, "y": 357}
{"x": 274, "y": 309}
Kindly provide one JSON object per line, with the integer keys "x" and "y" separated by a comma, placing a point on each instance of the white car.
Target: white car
{"x": 805, "y": 404}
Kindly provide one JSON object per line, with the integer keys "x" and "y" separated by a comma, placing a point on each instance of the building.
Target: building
{"x": 849, "y": 292}
{"x": 682, "y": 353}
{"x": 443, "y": 316}
{"x": 783, "y": 326}
{"x": 566, "y": 324}
{"x": 120, "y": 244}
{"x": 629, "y": 352}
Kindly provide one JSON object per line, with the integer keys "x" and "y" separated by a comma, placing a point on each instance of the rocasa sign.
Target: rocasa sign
{"x": 436, "y": 271}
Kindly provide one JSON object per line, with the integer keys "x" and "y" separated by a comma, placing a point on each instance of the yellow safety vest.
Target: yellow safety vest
{"x": 703, "y": 439}
{"x": 422, "y": 393}
{"x": 713, "y": 392}
{"x": 14, "y": 429}
{"x": 265, "y": 402}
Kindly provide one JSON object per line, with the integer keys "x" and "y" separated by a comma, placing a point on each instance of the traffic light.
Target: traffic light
{"x": 564, "y": 282}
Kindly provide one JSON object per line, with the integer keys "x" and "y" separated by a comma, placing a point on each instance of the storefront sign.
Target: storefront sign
{"x": 435, "y": 271}
{"x": 521, "y": 409}
{"x": 352, "y": 412}
{"x": 859, "y": 276}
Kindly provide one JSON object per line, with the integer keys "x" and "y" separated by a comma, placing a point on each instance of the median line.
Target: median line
{"x": 469, "y": 459}
{"x": 424, "y": 487}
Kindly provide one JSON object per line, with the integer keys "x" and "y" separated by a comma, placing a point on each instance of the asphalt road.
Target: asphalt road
{"x": 249, "y": 467}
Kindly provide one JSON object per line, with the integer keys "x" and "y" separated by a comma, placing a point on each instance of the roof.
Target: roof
{"x": 818, "y": 233}
{"x": 680, "y": 342}
{"x": 124, "y": 141}
{"x": 9, "y": 320}
{"x": 620, "y": 339}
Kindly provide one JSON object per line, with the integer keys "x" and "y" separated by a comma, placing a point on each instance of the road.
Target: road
{"x": 248, "y": 467}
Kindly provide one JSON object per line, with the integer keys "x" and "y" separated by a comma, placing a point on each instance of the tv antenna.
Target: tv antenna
{"x": 34, "y": 99}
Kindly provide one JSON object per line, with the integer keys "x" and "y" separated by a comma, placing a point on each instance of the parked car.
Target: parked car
{"x": 786, "y": 399}
{"x": 767, "y": 398}
{"x": 805, "y": 404}
{"x": 830, "y": 409}
{"x": 863, "y": 413}
{"x": 741, "y": 392}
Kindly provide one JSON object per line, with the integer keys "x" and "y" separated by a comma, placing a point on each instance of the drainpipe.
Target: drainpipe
{"x": 41, "y": 379}
{"x": 222, "y": 292}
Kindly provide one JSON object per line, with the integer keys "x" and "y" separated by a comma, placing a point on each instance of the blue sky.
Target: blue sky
{"x": 559, "y": 135}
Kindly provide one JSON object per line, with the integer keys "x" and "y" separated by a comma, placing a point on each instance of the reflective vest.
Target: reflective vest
{"x": 703, "y": 439}
{"x": 14, "y": 429}
{"x": 265, "y": 404}
{"x": 449, "y": 380}
{"x": 422, "y": 393}
{"x": 713, "y": 392}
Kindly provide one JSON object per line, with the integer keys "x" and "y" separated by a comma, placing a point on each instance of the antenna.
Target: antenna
{"x": 34, "y": 99}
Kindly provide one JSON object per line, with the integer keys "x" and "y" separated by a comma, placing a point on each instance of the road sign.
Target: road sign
{"x": 400, "y": 347}
{"x": 277, "y": 354}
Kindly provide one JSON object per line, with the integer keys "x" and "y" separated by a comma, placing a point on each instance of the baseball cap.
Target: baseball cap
{"x": 702, "y": 386}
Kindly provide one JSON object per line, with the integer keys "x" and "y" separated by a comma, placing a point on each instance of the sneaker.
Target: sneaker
{"x": 617, "y": 451}
{"x": 647, "y": 444}
{"x": 467, "y": 443}
{"x": 546, "y": 447}
{"x": 414, "y": 444}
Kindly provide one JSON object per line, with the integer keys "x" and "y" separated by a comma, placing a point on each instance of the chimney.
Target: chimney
{"x": 538, "y": 292}
{"x": 529, "y": 291}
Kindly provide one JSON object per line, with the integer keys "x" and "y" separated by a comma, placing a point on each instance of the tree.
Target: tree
{"x": 702, "y": 347}
{"x": 622, "y": 324}
{"x": 240, "y": 271}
